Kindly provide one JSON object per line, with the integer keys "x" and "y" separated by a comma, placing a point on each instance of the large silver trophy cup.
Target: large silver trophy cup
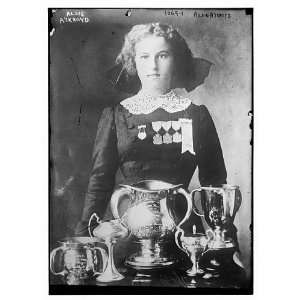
{"x": 149, "y": 220}
{"x": 219, "y": 206}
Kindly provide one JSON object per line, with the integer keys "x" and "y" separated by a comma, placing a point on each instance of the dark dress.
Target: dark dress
{"x": 123, "y": 155}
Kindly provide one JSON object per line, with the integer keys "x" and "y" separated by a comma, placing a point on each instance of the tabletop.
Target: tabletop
{"x": 228, "y": 278}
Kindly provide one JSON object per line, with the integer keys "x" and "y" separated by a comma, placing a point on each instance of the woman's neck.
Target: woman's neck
{"x": 154, "y": 93}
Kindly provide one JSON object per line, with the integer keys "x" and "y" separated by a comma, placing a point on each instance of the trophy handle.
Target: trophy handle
{"x": 189, "y": 205}
{"x": 193, "y": 201}
{"x": 180, "y": 231}
{"x": 187, "y": 215}
{"x": 94, "y": 215}
{"x": 178, "y": 241}
{"x": 115, "y": 197}
{"x": 104, "y": 259}
{"x": 52, "y": 258}
{"x": 237, "y": 202}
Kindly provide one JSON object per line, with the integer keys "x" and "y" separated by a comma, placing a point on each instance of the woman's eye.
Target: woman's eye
{"x": 163, "y": 56}
{"x": 143, "y": 56}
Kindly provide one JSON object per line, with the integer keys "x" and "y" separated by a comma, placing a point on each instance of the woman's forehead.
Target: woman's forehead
{"x": 152, "y": 44}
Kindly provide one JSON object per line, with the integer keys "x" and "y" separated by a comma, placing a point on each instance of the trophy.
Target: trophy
{"x": 108, "y": 232}
{"x": 194, "y": 245}
{"x": 219, "y": 205}
{"x": 77, "y": 259}
{"x": 149, "y": 220}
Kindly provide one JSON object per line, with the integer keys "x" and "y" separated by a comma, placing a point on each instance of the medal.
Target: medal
{"x": 156, "y": 126}
{"x": 175, "y": 125}
{"x": 167, "y": 138}
{"x": 166, "y": 125}
{"x": 142, "y": 132}
{"x": 157, "y": 139}
{"x": 176, "y": 137}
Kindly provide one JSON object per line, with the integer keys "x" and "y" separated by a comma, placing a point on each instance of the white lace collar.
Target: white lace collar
{"x": 146, "y": 104}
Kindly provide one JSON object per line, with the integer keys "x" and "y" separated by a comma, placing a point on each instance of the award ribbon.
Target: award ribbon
{"x": 187, "y": 136}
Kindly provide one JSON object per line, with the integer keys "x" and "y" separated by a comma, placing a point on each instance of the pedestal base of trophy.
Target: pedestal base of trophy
{"x": 148, "y": 263}
{"x": 151, "y": 255}
{"x": 192, "y": 272}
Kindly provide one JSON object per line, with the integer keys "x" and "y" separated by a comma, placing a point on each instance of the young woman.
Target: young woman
{"x": 156, "y": 134}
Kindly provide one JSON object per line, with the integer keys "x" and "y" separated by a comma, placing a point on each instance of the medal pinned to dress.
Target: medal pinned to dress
{"x": 177, "y": 135}
{"x": 157, "y": 138}
{"x": 142, "y": 132}
{"x": 167, "y": 138}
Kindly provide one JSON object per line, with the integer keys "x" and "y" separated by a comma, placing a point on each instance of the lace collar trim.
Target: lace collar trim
{"x": 146, "y": 104}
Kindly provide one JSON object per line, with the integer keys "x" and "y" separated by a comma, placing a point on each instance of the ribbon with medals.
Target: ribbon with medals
{"x": 187, "y": 136}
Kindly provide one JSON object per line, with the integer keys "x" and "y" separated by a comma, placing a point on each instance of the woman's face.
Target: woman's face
{"x": 155, "y": 64}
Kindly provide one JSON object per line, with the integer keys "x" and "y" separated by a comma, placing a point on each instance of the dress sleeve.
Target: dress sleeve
{"x": 209, "y": 154}
{"x": 105, "y": 165}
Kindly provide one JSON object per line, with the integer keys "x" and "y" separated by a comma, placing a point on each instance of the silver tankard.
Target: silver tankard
{"x": 219, "y": 206}
{"x": 149, "y": 221}
{"x": 78, "y": 259}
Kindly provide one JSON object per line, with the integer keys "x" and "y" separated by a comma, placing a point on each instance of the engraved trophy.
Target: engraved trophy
{"x": 149, "y": 220}
{"x": 78, "y": 259}
{"x": 219, "y": 206}
{"x": 108, "y": 232}
{"x": 194, "y": 245}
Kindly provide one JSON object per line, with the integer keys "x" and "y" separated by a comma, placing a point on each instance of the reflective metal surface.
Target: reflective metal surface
{"x": 148, "y": 220}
